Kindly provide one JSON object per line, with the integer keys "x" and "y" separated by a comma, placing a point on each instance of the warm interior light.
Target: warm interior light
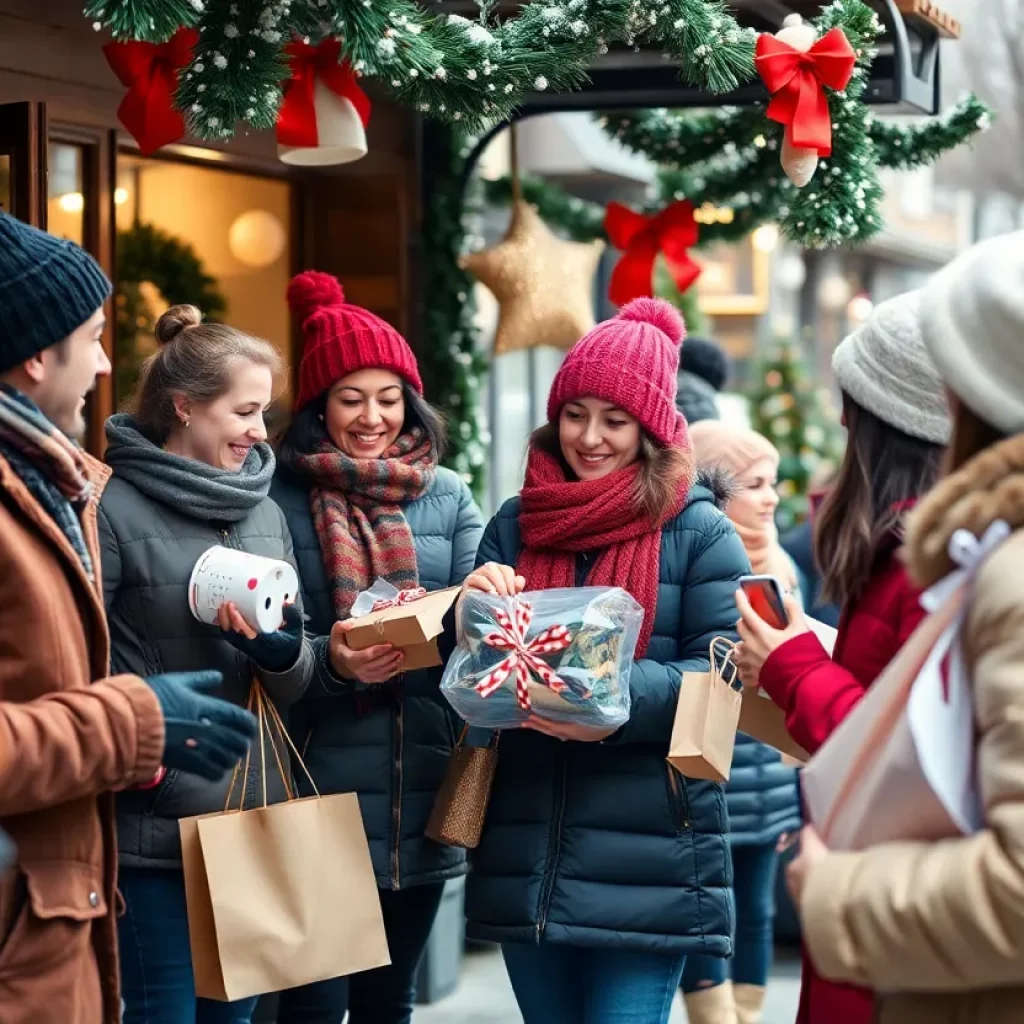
{"x": 711, "y": 214}
{"x": 766, "y": 238}
{"x": 72, "y": 202}
{"x": 120, "y": 196}
{"x": 860, "y": 308}
{"x": 257, "y": 239}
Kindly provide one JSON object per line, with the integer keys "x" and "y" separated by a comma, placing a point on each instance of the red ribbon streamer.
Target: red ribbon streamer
{"x": 150, "y": 72}
{"x": 523, "y": 657}
{"x": 401, "y": 598}
{"x": 641, "y": 238}
{"x": 796, "y": 81}
{"x": 296, "y": 122}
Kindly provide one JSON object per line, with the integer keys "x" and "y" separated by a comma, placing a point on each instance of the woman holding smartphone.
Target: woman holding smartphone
{"x": 762, "y": 793}
{"x": 939, "y": 927}
{"x": 897, "y": 420}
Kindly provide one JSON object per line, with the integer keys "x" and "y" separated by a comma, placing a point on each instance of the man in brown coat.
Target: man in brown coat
{"x": 69, "y": 736}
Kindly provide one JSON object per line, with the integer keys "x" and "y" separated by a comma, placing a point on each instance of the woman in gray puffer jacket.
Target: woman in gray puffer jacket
{"x": 191, "y": 470}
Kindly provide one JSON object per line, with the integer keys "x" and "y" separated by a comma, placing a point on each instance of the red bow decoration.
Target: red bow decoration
{"x": 296, "y": 123}
{"x": 150, "y": 71}
{"x": 402, "y": 597}
{"x": 523, "y": 657}
{"x": 796, "y": 82}
{"x": 641, "y": 238}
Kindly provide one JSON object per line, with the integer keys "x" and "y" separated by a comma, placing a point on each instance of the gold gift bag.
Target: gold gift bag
{"x": 708, "y": 710}
{"x": 280, "y": 895}
{"x": 461, "y": 805}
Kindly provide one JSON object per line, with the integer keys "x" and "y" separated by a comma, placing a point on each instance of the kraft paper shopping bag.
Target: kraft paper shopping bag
{"x": 280, "y": 895}
{"x": 764, "y": 720}
{"x": 707, "y": 713}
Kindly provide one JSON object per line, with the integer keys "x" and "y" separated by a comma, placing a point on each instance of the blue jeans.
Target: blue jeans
{"x": 572, "y": 985}
{"x": 156, "y": 957}
{"x": 754, "y": 870}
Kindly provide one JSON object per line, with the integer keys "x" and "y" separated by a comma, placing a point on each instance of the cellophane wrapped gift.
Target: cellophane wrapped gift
{"x": 562, "y": 655}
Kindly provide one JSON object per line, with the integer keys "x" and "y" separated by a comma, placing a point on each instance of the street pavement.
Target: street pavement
{"x": 485, "y": 997}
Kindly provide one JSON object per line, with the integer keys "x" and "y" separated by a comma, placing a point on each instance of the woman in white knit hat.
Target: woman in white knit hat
{"x": 897, "y": 418}
{"x": 939, "y": 927}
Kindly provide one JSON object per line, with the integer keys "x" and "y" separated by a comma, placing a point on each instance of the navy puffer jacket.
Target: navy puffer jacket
{"x": 602, "y": 844}
{"x": 394, "y": 760}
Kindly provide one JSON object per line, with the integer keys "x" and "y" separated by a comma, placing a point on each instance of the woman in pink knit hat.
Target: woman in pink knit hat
{"x": 600, "y": 868}
{"x": 364, "y": 496}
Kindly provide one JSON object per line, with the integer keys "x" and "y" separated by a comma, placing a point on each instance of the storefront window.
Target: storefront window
{"x": 66, "y": 197}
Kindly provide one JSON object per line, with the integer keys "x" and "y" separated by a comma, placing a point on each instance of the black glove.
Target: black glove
{"x": 205, "y": 736}
{"x": 274, "y": 652}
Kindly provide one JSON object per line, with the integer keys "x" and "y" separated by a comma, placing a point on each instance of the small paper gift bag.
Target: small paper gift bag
{"x": 708, "y": 710}
{"x": 279, "y": 896}
{"x": 764, "y": 720}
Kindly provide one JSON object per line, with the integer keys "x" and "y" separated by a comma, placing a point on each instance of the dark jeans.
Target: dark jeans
{"x": 382, "y": 996}
{"x": 572, "y": 985}
{"x": 156, "y": 958}
{"x": 754, "y": 870}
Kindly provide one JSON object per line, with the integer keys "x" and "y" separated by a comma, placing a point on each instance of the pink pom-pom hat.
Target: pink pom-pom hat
{"x": 341, "y": 338}
{"x": 631, "y": 360}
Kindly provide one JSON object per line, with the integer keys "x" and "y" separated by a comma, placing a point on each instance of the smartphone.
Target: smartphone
{"x": 765, "y": 596}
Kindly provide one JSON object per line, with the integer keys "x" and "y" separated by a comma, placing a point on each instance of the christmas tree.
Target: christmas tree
{"x": 800, "y": 420}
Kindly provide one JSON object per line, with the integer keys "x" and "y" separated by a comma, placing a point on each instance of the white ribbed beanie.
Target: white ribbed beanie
{"x": 973, "y": 325}
{"x": 884, "y": 367}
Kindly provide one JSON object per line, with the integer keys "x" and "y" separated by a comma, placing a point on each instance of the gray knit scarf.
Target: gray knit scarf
{"x": 193, "y": 487}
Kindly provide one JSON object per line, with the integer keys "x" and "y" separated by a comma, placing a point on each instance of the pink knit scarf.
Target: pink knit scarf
{"x": 560, "y": 519}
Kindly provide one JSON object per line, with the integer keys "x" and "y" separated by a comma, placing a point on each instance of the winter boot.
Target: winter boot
{"x": 711, "y": 1005}
{"x": 749, "y": 1003}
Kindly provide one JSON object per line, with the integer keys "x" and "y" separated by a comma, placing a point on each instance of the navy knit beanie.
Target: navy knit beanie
{"x": 48, "y": 288}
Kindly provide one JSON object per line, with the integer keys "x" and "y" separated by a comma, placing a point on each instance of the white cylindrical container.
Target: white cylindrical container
{"x": 259, "y": 587}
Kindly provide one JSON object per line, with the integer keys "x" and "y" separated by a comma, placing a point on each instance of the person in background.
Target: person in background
{"x": 365, "y": 498}
{"x": 703, "y": 371}
{"x": 762, "y": 792}
{"x": 798, "y": 543}
{"x": 192, "y": 470}
{"x": 600, "y": 868}
{"x": 71, "y": 735}
{"x": 938, "y": 928}
{"x": 897, "y": 421}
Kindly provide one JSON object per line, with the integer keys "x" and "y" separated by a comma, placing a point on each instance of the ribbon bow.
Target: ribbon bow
{"x": 402, "y": 597}
{"x": 523, "y": 657}
{"x": 150, "y": 72}
{"x": 296, "y": 122}
{"x": 796, "y": 81}
{"x": 641, "y": 238}
{"x": 969, "y": 553}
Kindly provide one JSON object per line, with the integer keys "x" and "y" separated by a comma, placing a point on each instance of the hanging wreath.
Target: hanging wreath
{"x": 154, "y": 267}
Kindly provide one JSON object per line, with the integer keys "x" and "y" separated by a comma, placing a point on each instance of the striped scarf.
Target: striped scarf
{"x": 357, "y": 513}
{"x": 49, "y": 463}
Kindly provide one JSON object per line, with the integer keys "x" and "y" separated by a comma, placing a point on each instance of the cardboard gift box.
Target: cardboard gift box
{"x": 413, "y": 626}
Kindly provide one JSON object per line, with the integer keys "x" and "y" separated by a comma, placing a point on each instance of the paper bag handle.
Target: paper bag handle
{"x": 267, "y": 717}
{"x": 714, "y": 651}
{"x": 493, "y": 743}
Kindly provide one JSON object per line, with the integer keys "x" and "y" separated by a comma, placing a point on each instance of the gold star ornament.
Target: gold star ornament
{"x": 544, "y": 285}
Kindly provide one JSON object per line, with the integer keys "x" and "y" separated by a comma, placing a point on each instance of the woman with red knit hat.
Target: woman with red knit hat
{"x": 600, "y": 868}
{"x": 364, "y": 496}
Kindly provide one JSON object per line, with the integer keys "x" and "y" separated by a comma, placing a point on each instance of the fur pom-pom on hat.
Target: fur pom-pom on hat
{"x": 312, "y": 291}
{"x": 632, "y": 361}
{"x": 341, "y": 338}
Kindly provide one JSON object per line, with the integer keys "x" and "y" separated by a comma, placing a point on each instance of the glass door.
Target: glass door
{"x": 23, "y": 161}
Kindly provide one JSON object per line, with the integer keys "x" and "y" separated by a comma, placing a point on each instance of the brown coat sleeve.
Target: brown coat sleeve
{"x": 79, "y": 742}
{"x": 946, "y": 916}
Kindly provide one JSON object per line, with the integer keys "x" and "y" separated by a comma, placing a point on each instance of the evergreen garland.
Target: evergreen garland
{"x": 149, "y": 20}
{"x": 450, "y": 359}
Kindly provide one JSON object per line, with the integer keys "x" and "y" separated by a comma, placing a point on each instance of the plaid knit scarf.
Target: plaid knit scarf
{"x": 357, "y": 513}
{"x": 49, "y": 463}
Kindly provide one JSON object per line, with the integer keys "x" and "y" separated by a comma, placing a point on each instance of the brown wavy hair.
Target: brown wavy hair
{"x": 663, "y": 470}
{"x": 884, "y": 471}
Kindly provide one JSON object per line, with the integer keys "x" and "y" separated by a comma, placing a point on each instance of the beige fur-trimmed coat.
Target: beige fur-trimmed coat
{"x": 937, "y": 930}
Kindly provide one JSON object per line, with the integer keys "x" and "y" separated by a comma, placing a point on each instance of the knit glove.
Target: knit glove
{"x": 274, "y": 652}
{"x": 205, "y": 736}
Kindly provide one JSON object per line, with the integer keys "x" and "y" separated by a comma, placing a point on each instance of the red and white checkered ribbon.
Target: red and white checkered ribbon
{"x": 523, "y": 657}
{"x": 402, "y": 597}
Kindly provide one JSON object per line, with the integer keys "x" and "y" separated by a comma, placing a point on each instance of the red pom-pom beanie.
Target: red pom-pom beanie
{"x": 631, "y": 360}
{"x": 341, "y": 338}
